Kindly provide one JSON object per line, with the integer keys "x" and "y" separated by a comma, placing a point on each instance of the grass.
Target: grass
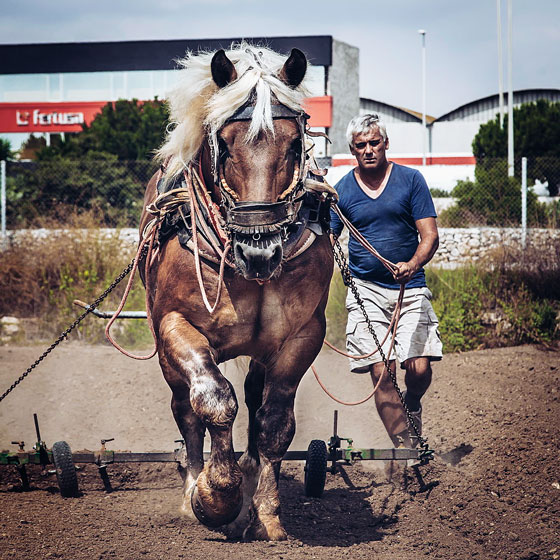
{"x": 510, "y": 297}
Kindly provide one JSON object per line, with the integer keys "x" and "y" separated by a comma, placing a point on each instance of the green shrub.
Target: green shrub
{"x": 476, "y": 308}
{"x": 336, "y": 311}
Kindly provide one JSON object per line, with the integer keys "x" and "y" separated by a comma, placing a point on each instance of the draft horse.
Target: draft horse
{"x": 250, "y": 235}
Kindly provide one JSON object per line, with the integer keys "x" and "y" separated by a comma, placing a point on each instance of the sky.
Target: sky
{"x": 461, "y": 37}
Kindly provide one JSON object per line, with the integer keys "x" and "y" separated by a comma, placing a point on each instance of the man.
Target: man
{"x": 391, "y": 206}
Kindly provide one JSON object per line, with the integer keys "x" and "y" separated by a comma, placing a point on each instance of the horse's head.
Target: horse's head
{"x": 239, "y": 115}
{"x": 257, "y": 168}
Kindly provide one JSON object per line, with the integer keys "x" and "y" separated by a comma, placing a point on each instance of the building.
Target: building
{"x": 54, "y": 88}
{"x": 449, "y": 156}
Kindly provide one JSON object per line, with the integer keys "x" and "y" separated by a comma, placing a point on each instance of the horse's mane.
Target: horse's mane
{"x": 198, "y": 107}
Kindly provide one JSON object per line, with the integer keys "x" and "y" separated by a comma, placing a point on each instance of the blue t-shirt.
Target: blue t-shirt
{"x": 387, "y": 222}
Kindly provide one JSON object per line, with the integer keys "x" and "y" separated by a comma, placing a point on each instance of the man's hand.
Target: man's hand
{"x": 405, "y": 271}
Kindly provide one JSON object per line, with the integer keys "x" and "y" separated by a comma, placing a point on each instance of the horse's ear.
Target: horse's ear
{"x": 223, "y": 70}
{"x": 294, "y": 69}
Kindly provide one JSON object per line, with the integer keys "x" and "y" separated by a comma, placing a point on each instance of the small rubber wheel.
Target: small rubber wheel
{"x": 315, "y": 468}
{"x": 65, "y": 469}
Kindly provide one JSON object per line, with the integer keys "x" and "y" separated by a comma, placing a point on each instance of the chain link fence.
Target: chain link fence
{"x": 46, "y": 193}
{"x": 494, "y": 199}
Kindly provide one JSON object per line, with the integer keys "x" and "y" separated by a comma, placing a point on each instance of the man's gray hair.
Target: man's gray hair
{"x": 363, "y": 124}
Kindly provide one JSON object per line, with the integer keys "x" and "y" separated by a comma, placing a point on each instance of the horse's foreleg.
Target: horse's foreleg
{"x": 274, "y": 427}
{"x": 249, "y": 461}
{"x": 192, "y": 430}
{"x": 216, "y": 497}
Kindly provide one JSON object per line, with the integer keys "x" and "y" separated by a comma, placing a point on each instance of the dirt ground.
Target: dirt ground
{"x": 492, "y": 416}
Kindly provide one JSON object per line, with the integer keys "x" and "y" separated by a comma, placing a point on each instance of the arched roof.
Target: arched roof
{"x": 391, "y": 113}
{"x": 486, "y": 108}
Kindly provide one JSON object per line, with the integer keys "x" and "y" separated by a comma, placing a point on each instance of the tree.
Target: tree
{"x": 5, "y": 150}
{"x": 127, "y": 129}
{"x": 493, "y": 199}
{"x": 536, "y": 135}
{"x": 105, "y": 167}
{"x": 31, "y": 146}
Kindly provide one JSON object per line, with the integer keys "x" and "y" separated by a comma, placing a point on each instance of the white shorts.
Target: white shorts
{"x": 417, "y": 331}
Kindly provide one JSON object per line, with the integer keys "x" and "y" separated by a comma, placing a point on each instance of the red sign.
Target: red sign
{"x": 66, "y": 116}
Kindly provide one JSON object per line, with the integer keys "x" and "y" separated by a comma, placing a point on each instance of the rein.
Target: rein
{"x": 392, "y": 329}
{"x": 242, "y": 217}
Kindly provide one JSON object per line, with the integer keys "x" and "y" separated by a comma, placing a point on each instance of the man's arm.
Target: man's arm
{"x": 429, "y": 242}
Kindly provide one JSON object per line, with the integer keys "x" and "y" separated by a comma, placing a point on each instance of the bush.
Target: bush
{"x": 493, "y": 199}
{"x": 439, "y": 193}
{"x": 483, "y": 306}
{"x": 336, "y": 311}
{"x": 48, "y": 190}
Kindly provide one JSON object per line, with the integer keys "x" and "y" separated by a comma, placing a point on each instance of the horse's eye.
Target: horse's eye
{"x": 296, "y": 147}
{"x": 223, "y": 152}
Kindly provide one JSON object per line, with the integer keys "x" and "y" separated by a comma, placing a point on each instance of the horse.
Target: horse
{"x": 245, "y": 227}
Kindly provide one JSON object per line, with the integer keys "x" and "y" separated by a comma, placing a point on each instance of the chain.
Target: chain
{"x": 348, "y": 280}
{"x": 64, "y": 334}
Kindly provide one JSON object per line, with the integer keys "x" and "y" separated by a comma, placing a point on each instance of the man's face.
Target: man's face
{"x": 369, "y": 149}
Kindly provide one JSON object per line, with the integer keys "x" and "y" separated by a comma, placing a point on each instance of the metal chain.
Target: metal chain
{"x": 64, "y": 334}
{"x": 348, "y": 280}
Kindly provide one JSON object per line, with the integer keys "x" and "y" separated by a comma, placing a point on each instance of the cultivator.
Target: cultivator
{"x": 316, "y": 458}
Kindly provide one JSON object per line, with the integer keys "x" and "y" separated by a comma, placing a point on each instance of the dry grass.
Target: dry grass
{"x": 41, "y": 278}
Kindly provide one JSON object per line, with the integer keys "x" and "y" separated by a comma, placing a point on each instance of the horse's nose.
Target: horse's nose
{"x": 258, "y": 256}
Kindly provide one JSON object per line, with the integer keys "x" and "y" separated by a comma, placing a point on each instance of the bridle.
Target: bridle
{"x": 255, "y": 217}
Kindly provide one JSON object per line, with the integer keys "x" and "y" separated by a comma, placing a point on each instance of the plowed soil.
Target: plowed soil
{"x": 492, "y": 491}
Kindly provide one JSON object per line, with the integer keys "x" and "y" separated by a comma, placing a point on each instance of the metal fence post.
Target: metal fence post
{"x": 3, "y": 199}
{"x": 523, "y": 201}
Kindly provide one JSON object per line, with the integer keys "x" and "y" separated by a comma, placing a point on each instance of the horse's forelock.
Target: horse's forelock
{"x": 197, "y": 104}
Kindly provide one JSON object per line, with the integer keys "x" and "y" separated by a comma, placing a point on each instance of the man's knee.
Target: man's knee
{"x": 418, "y": 367}
{"x": 379, "y": 370}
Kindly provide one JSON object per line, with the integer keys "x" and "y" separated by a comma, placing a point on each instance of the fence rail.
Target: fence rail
{"x": 48, "y": 193}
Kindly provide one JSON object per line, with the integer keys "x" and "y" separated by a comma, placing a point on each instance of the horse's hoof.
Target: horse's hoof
{"x": 268, "y": 529}
{"x": 213, "y": 519}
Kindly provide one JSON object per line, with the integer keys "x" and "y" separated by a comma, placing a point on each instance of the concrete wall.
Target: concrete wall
{"x": 457, "y": 246}
{"x": 453, "y": 137}
{"x": 343, "y": 85}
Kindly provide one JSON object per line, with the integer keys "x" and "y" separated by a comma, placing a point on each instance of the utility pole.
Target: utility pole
{"x": 500, "y": 63}
{"x": 510, "y": 92}
{"x": 423, "y": 33}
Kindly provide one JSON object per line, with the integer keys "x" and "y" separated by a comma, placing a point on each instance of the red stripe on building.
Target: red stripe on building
{"x": 320, "y": 110}
{"x": 431, "y": 160}
{"x": 68, "y": 116}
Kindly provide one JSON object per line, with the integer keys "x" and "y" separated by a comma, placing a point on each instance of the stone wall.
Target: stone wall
{"x": 459, "y": 246}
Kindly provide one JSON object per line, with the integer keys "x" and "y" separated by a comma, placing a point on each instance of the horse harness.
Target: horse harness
{"x": 301, "y": 213}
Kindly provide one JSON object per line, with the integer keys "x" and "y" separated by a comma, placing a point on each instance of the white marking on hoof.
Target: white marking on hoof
{"x": 251, "y": 472}
{"x": 186, "y": 506}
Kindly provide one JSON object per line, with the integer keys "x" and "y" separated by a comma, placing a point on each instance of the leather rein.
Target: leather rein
{"x": 242, "y": 217}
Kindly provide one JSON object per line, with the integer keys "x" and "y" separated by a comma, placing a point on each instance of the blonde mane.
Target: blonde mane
{"x": 198, "y": 107}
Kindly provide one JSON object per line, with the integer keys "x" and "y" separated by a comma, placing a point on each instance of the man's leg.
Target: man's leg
{"x": 418, "y": 378}
{"x": 389, "y": 406}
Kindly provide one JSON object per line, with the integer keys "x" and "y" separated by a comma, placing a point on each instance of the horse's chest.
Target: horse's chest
{"x": 262, "y": 321}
